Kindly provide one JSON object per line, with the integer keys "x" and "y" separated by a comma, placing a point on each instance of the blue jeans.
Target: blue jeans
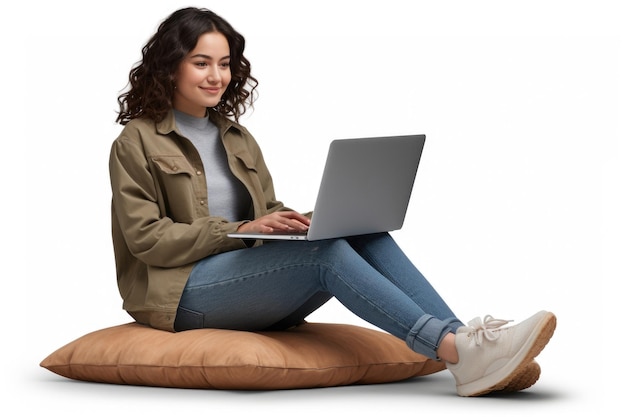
{"x": 276, "y": 285}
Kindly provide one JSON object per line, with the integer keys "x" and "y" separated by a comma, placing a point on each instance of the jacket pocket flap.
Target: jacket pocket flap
{"x": 247, "y": 160}
{"x": 177, "y": 164}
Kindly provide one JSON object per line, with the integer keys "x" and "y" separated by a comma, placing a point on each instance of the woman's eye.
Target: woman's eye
{"x": 225, "y": 64}
{"x": 201, "y": 64}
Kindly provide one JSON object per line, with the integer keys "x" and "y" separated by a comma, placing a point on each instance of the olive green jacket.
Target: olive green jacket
{"x": 161, "y": 224}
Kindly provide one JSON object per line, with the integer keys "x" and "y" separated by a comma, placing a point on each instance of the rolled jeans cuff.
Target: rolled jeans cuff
{"x": 427, "y": 333}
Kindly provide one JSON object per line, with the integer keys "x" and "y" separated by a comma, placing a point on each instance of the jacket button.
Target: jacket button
{"x": 199, "y": 172}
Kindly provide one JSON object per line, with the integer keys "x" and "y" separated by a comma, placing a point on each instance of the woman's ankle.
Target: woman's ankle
{"x": 447, "y": 349}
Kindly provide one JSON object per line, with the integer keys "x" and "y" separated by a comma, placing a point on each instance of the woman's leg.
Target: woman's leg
{"x": 383, "y": 253}
{"x": 254, "y": 289}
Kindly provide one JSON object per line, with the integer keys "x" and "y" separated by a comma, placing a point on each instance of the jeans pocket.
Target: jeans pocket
{"x": 188, "y": 320}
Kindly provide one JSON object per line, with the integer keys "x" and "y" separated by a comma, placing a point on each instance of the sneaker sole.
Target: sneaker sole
{"x": 526, "y": 379}
{"x": 504, "y": 379}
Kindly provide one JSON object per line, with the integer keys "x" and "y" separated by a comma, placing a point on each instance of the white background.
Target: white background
{"x": 517, "y": 205}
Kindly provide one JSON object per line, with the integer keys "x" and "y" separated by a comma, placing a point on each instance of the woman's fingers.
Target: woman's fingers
{"x": 278, "y": 221}
{"x": 286, "y": 221}
{"x": 295, "y": 219}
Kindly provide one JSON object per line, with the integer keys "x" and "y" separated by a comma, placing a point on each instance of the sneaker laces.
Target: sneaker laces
{"x": 485, "y": 328}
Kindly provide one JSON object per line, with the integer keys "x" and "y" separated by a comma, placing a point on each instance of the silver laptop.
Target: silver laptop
{"x": 365, "y": 188}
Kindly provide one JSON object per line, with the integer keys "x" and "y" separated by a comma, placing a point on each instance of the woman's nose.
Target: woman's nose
{"x": 214, "y": 74}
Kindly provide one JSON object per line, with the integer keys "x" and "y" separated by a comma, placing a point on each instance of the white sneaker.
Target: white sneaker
{"x": 492, "y": 358}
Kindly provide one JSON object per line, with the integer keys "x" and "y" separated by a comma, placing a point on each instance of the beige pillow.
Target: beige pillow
{"x": 309, "y": 355}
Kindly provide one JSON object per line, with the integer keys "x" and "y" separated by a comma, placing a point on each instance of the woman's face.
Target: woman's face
{"x": 203, "y": 75}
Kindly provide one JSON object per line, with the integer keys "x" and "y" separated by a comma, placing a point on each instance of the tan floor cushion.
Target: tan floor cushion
{"x": 309, "y": 355}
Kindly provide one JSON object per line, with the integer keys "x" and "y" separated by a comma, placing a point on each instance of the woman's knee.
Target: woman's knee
{"x": 332, "y": 250}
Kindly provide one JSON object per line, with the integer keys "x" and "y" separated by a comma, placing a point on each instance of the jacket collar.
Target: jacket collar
{"x": 168, "y": 124}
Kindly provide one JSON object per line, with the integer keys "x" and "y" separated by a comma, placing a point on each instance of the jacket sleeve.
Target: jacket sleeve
{"x": 151, "y": 236}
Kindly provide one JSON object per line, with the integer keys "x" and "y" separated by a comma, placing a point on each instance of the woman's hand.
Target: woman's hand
{"x": 279, "y": 221}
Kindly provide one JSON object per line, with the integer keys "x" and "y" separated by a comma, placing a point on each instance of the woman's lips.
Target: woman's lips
{"x": 211, "y": 90}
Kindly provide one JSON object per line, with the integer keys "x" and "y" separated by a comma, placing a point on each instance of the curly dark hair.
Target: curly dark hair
{"x": 151, "y": 79}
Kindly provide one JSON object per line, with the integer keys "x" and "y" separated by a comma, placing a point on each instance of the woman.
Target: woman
{"x": 185, "y": 173}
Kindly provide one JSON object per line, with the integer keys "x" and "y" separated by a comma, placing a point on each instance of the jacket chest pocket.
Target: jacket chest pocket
{"x": 180, "y": 188}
